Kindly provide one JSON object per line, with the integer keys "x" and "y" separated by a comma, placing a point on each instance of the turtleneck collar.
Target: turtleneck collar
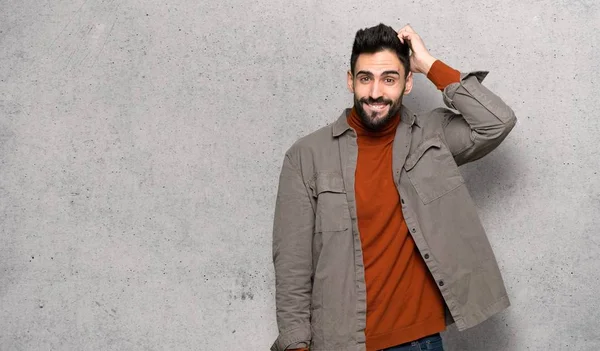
{"x": 380, "y": 136}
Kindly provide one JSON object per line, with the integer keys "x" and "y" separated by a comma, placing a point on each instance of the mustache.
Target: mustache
{"x": 369, "y": 100}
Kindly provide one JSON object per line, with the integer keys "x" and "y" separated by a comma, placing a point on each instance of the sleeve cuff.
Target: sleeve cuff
{"x": 443, "y": 75}
{"x": 298, "y": 336}
{"x": 469, "y": 79}
{"x": 301, "y": 346}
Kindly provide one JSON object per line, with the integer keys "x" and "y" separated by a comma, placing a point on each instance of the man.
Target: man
{"x": 377, "y": 244}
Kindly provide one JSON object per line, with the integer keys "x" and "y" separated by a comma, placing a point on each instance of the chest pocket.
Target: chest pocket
{"x": 331, "y": 213}
{"x": 432, "y": 170}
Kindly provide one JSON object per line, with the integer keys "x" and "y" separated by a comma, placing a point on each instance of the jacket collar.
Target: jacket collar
{"x": 341, "y": 125}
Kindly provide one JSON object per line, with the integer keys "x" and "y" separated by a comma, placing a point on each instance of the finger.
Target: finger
{"x": 407, "y": 36}
{"x": 399, "y": 32}
{"x": 401, "y": 36}
{"x": 403, "y": 28}
{"x": 407, "y": 28}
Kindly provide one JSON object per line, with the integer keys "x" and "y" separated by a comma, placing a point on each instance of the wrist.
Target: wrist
{"x": 426, "y": 64}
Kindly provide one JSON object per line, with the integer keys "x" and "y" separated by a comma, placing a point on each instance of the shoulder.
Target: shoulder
{"x": 314, "y": 139}
{"x": 308, "y": 146}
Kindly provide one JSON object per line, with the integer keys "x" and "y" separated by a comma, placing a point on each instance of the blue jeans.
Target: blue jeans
{"x": 430, "y": 343}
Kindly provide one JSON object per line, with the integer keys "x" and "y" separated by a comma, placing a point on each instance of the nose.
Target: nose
{"x": 375, "y": 92}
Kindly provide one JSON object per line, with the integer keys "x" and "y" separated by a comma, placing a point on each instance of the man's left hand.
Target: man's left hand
{"x": 420, "y": 60}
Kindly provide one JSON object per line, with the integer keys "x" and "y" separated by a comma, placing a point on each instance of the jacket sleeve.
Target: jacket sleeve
{"x": 292, "y": 257}
{"x": 483, "y": 121}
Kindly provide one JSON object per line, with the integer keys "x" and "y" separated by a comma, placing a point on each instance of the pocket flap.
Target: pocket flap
{"x": 413, "y": 158}
{"x": 327, "y": 182}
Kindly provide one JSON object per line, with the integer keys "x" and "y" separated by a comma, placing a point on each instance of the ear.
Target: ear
{"x": 409, "y": 83}
{"x": 350, "y": 82}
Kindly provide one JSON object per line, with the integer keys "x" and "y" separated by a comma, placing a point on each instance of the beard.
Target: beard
{"x": 370, "y": 121}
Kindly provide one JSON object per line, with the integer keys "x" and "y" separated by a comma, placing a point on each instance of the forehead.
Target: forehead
{"x": 379, "y": 62}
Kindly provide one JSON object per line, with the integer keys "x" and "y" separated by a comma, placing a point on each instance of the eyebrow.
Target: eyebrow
{"x": 383, "y": 74}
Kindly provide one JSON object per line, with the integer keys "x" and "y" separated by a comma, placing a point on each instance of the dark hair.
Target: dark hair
{"x": 376, "y": 39}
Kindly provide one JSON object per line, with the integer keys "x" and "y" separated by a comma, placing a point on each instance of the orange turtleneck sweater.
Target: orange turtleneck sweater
{"x": 403, "y": 301}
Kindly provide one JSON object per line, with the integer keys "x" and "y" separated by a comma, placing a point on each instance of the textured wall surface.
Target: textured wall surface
{"x": 141, "y": 142}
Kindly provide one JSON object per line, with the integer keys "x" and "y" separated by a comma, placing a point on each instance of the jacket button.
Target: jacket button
{"x": 402, "y": 200}
{"x": 414, "y": 230}
{"x": 426, "y": 256}
{"x": 441, "y": 283}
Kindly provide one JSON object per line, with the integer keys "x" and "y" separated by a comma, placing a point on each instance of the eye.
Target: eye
{"x": 364, "y": 79}
{"x": 390, "y": 80}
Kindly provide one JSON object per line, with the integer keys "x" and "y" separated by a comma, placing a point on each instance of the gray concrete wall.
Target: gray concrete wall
{"x": 140, "y": 146}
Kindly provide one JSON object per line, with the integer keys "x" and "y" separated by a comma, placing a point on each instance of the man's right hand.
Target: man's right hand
{"x": 420, "y": 59}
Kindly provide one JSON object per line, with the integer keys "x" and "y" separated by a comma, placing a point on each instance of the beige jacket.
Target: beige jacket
{"x": 320, "y": 283}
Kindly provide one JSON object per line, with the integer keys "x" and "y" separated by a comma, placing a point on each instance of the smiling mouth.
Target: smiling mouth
{"x": 377, "y": 106}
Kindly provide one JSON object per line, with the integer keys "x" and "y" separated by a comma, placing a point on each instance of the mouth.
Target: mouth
{"x": 376, "y": 106}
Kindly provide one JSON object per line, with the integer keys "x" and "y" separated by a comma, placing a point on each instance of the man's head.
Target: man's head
{"x": 379, "y": 75}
